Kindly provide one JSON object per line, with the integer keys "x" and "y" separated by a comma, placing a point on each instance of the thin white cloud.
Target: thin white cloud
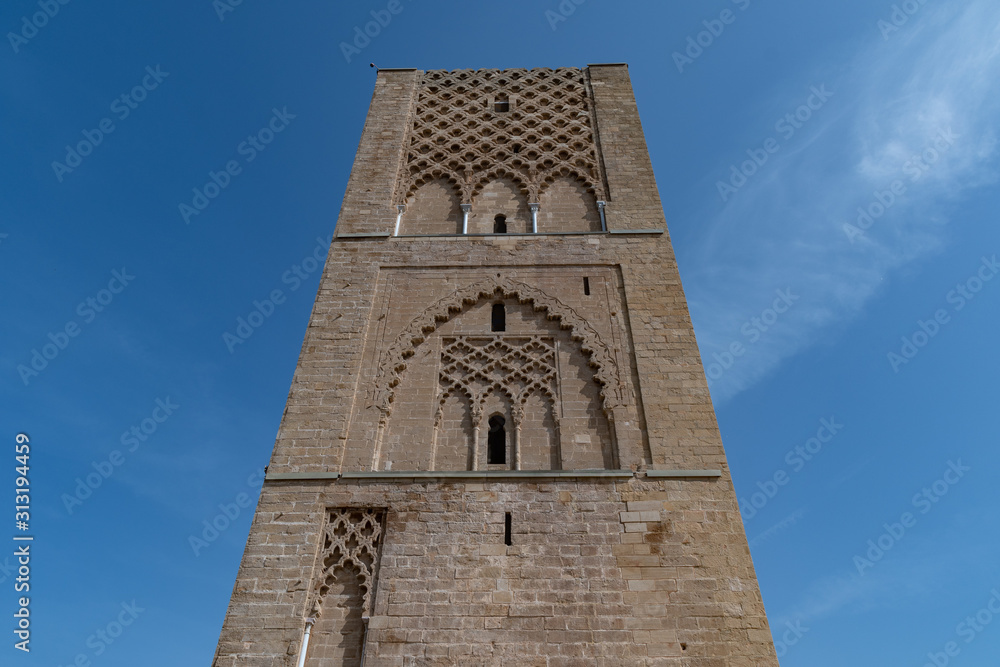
{"x": 919, "y": 569}
{"x": 929, "y": 87}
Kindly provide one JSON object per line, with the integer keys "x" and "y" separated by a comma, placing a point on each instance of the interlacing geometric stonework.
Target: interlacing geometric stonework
{"x": 394, "y": 360}
{"x": 352, "y": 539}
{"x": 515, "y": 367}
{"x": 528, "y": 125}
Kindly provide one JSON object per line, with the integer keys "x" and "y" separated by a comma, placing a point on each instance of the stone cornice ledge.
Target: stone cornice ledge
{"x": 485, "y": 474}
{"x": 683, "y": 473}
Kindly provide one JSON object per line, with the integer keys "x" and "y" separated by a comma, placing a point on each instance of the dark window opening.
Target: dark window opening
{"x": 517, "y": 148}
{"x": 506, "y": 528}
{"x": 500, "y": 224}
{"x": 586, "y": 286}
{"x": 499, "y": 322}
{"x": 496, "y": 443}
{"x": 502, "y": 104}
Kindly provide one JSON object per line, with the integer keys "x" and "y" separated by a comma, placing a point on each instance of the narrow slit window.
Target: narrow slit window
{"x": 586, "y": 286}
{"x": 500, "y": 224}
{"x": 506, "y": 528}
{"x": 499, "y": 322}
{"x": 496, "y": 444}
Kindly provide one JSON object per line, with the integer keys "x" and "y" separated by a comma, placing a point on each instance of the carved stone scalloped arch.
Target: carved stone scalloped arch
{"x": 455, "y": 183}
{"x": 568, "y": 173}
{"x": 394, "y": 360}
{"x": 500, "y": 173}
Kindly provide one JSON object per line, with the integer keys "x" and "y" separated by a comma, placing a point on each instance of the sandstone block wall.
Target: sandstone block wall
{"x": 607, "y": 563}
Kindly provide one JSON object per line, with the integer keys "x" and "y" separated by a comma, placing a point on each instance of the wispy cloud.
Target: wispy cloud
{"x": 929, "y": 93}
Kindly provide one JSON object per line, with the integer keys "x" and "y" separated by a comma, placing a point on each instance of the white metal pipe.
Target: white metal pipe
{"x": 400, "y": 209}
{"x": 305, "y": 642}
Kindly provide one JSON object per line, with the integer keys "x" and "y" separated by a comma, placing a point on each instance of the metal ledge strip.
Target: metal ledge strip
{"x": 363, "y": 235}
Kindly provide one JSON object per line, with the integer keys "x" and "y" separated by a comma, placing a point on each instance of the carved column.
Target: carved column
{"x": 438, "y": 416}
{"x": 383, "y": 421}
{"x": 516, "y": 415}
{"x": 477, "y": 419}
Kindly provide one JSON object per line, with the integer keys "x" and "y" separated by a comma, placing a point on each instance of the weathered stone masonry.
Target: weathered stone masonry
{"x": 499, "y": 447}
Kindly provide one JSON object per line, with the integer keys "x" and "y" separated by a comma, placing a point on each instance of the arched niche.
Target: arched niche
{"x": 433, "y": 208}
{"x": 568, "y": 205}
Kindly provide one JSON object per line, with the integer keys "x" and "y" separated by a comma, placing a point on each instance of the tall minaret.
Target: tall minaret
{"x": 499, "y": 446}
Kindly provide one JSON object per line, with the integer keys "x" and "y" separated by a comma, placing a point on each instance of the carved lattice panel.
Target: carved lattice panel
{"x": 514, "y": 367}
{"x": 545, "y": 131}
{"x": 352, "y": 541}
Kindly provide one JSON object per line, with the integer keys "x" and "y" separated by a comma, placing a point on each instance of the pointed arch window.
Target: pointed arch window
{"x": 496, "y": 444}
{"x": 500, "y": 224}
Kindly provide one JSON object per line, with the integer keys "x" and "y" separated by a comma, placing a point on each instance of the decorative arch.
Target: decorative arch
{"x": 570, "y": 173}
{"x": 498, "y": 173}
{"x": 351, "y": 543}
{"x": 568, "y": 204}
{"x": 433, "y": 207}
{"x": 394, "y": 360}
{"x": 453, "y": 180}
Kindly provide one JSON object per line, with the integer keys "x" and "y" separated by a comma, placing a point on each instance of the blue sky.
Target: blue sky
{"x": 863, "y": 411}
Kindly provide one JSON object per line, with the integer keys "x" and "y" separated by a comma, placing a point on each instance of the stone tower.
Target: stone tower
{"x": 499, "y": 446}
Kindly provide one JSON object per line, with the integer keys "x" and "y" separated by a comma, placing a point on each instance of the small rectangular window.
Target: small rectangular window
{"x": 586, "y": 286}
{"x": 506, "y": 528}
